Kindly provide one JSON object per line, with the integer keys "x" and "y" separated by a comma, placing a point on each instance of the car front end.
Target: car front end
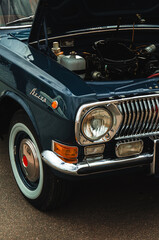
{"x": 115, "y": 55}
{"x": 80, "y": 93}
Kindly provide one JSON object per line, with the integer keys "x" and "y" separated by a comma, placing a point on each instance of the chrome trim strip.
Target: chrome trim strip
{"x": 90, "y": 167}
{"x": 137, "y": 135}
{"x": 15, "y": 27}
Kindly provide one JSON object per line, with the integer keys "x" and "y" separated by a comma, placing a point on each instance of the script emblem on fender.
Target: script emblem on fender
{"x": 35, "y": 94}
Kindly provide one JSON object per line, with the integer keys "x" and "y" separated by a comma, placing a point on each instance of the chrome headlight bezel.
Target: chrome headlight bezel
{"x": 96, "y": 114}
{"x": 84, "y": 110}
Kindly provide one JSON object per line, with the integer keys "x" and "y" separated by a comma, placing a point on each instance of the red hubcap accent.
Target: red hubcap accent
{"x": 25, "y": 161}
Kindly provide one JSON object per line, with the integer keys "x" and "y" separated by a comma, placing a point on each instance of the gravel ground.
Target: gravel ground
{"x": 114, "y": 208}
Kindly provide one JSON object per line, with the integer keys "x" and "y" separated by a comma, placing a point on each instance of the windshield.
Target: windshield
{"x": 11, "y": 10}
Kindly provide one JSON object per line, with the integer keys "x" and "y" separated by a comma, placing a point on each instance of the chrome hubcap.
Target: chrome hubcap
{"x": 29, "y": 160}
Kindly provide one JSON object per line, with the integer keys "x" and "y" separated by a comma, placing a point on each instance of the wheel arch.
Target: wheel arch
{"x": 9, "y": 104}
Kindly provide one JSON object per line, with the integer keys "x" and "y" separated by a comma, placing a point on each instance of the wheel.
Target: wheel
{"x": 35, "y": 180}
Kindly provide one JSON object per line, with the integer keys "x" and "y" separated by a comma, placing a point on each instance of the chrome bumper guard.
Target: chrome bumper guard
{"x": 154, "y": 170}
{"x": 92, "y": 167}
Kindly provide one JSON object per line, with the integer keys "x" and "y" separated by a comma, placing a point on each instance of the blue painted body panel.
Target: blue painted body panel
{"x": 23, "y": 69}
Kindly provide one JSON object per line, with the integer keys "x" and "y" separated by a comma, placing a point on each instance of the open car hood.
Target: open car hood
{"x": 59, "y": 17}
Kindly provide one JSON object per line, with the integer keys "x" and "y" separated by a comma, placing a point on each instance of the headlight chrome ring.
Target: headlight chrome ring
{"x": 96, "y": 123}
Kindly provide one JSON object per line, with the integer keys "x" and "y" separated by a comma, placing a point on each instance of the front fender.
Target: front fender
{"x": 23, "y": 105}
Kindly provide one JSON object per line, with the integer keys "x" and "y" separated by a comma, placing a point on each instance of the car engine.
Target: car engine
{"x": 112, "y": 59}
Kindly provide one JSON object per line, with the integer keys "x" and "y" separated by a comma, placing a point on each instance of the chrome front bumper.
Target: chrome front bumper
{"x": 92, "y": 167}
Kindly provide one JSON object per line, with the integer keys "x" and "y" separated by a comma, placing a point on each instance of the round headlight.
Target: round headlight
{"x": 96, "y": 123}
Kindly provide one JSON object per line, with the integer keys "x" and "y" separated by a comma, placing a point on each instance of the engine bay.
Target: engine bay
{"x": 105, "y": 58}
{"x": 114, "y": 60}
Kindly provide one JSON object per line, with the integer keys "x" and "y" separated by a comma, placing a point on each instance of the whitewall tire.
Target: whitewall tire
{"x": 34, "y": 178}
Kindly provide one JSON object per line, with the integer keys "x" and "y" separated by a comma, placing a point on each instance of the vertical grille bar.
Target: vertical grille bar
{"x": 125, "y": 118}
{"x": 142, "y": 113}
{"x": 157, "y": 118}
{"x": 133, "y": 118}
{"x": 129, "y": 117}
{"x": 140, "y": 116}
{"x": 149, "y": 115}
{"x": 153, "y": 106}
{"x": 137, "y": 117}
{"x": 146, "y": 116}
{"x": 122, "y": 112}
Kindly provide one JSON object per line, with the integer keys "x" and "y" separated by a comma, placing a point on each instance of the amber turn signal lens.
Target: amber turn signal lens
{"x": 68, "y": 154}
{"x": 54, "y": 104}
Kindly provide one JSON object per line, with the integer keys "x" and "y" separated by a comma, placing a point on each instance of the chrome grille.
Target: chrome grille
{"x": 140, "y": 117}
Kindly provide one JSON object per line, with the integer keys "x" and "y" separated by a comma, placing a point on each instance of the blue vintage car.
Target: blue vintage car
{"x": 79, "y": 91}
